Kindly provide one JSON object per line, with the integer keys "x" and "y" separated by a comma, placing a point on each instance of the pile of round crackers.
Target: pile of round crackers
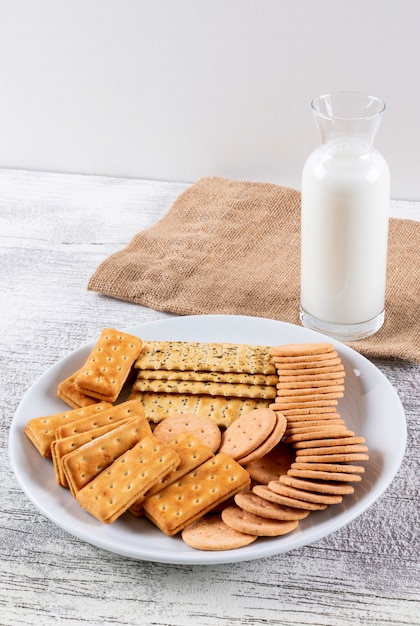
{"x": 299, "y": 453}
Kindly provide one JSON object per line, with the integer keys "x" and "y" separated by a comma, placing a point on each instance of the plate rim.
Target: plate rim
{"x": 267, "y": 547}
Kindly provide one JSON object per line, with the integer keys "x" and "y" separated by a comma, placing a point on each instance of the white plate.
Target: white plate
{"x": 370, "y": 407}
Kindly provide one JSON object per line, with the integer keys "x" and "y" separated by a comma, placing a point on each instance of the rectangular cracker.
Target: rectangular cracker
{"x": 221, "y": 410}
{"x": 213, "y": 357}
{"x": 41, "y": 430}
{"x": 85, "y": 463}
{"x": 192, "y": 453}
{"x": 113, "y": 414}
{"x": 115, "y": 489}
{"x": 236, "y": 390}
{"x": 68, "y": 393}
{"x": 108, "y": 365}
{"x": 214, "y": 377}
{"x": 61, "y": 447}
{"x": 197, "y": 493}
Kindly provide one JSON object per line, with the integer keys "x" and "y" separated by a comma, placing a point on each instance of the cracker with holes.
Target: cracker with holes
{"x": 192, "y": 452}
{"x": 83, "y": 464}
{"x": 61, "y": 447}
{"x": 42, "y": 430}
{"x": 200, "y": 426}
{"x": 197, "y": 493}
{"x": 108, "y": 365}
{"x": 111, "y": 415}
{"x": 68, "y": 393}
{"x": 248, "y": 432}
{"x": 114, "y": 490}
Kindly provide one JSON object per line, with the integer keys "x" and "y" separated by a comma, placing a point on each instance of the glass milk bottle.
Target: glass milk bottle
{"x": 345, "y": 214}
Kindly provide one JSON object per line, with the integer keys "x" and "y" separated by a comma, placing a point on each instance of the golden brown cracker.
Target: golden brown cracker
{"x": 68, "y": 393}
{"x": 111, "y": 415}
{"x": 265, "y": 492}
{"x": 204, "y": 376}
{"x": 42, "y": 430}
{"x": 194, "y": 495}
{"x": 115, "y": 489}
{"x": 198, "y": 356}
{"x": 235, "y": 390}
{"x": 85, "y": 463}
{"x": 108, "y": 365}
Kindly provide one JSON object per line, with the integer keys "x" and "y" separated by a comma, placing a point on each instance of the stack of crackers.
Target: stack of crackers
{"x": 222, "y": 443}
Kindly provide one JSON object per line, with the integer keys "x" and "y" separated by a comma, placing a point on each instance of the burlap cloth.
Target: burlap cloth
{"x": 232, "y": 247}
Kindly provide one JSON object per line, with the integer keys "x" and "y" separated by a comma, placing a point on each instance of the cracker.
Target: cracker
{"x": 246, "y": 522}
{"x": 300, "y": 366}
{"x": 201, "y": 427}
{"x": 328, "y": 442}
{"x": 61, "y": 447}
{"x": 197, "y": 493}
{"x": 268, "y": 444}
{"x": 108, "y": 365}
{"x": 203, "y": 376}
{"x": 311, "y": 426}
{"x": 85, "y": 463}
{"x": 330, "y": 467}
{"x": 115, "y": 489}
{"x": 334, "y": 458}
{"x": 211, "y": 533}
{"x": 312, "y": 377}
{"x": 111, "y": 415}
{"x": 328, "y": 431}
{"x": 280, "y": 405}
{"x": 320, "y": 475}
{"x": 221, "y": 410}
{"x": 321, "y": 487}
{"x": 299, "y": 494}
{"x": 213, "y": 357}
{"x": 312, "y": 395}
{"x": 41, "y": 430}
{"x": 248, "y": 432}
{"x": 301, "y": 349}
{"x": 310, "y": 410}
{"x": 249, "y": 501}
{"x": 307, "y": 417}
{"x": 68, "y": 393}
{"x": 265, "y": 492}
{"x": 306, "y": 386}
{"x": 271, "y": 465}
{"x": 235, "y": 390}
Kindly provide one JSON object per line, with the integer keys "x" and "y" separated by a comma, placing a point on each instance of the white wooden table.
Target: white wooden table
{"x": 54, "y": 231}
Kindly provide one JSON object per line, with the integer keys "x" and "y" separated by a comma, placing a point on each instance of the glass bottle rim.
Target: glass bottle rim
{"x": 357, "y": 105}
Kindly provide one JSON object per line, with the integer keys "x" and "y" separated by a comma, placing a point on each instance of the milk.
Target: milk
{"x": 345, "y": 213}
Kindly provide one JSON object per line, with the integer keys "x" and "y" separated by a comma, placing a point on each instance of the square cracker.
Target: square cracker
{"x": 85, "y": 463}
{"x": 61, "y": 447}
{"x": 115, "y": 489}
{"x": 108, "y": 365}
{"x": 68, "y": 393}
{"x": 113, "y": 414}
{"x": 41, "y": 430}
{"x": 192, "y": 453}
{"x": 197, "y": 493}
{"x": 221, "y": 410}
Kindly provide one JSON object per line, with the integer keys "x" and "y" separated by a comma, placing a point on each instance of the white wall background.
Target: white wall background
{"x": 179, "y": 89}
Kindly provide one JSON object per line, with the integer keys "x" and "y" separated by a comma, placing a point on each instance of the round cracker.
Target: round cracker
{"x": 271, "y": 465}
{"x": 320, "y": 487}
{"x": 198, "y": 425}
{"x": 320, "y": 475}
{"x": 248, "y": 432}
{"x": 300, "y": 494}
{"x": 329, "y": 467}
{"x": 265, "y": 492}
{"x": 249, "y": 501}
{"x": 294, "y": 428}
{"x": 268, "y": 444}
{"x": 211, "y": 533}
{"x": 331, "y": 441}
{"x": 332, "y": 432}
{"x": 246, "y": 522}
{"x": 300, "y": 349}
{"x": 334, "y": 458}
